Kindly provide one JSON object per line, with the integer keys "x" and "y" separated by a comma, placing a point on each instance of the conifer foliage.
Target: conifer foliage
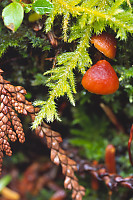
{"x": 13, "y": 101}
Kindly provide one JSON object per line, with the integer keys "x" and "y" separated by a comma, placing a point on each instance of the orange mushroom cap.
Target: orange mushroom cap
{"x": 105, "y": 43}
{"x": 101, "y": 79}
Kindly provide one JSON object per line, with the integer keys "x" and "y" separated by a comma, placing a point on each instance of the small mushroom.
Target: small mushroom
{"x": 101, "y": 79}
{"x": 105, "y": 43}
{"x": 110, "y": 158}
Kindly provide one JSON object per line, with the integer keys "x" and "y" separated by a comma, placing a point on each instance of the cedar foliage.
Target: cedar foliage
{"x": 12, "y": 99}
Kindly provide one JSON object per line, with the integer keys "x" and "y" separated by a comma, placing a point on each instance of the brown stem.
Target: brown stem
{"x": 112, "y": 117}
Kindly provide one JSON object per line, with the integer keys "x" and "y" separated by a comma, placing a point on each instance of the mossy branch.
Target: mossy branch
{"x": 61, "y": 80}
{"x": 112, "y": 15}
{"x": 89, "y": 17}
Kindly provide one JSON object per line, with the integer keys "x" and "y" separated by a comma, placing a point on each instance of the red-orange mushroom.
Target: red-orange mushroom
{"x": 105, "y": 43}
{"x": 110, "y": 158}
{"x": 101, "y": 79}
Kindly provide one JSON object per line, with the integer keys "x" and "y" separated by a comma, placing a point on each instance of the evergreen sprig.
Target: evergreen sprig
{"x": 80, "y": 19}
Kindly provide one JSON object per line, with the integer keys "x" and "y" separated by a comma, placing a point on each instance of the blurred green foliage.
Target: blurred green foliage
{"x": 44, "y": 194}
{"x": 89, "y": 133}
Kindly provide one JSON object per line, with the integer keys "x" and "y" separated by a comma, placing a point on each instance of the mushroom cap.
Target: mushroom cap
{"x": 105, "y": 43}
{"x": 101, "y": 79}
